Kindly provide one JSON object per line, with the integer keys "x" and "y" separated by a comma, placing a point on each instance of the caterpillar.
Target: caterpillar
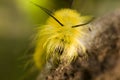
{"x": 60, "y": 38}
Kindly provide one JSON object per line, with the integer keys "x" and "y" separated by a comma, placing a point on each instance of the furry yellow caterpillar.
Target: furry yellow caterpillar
{"x": 60, "y": 38}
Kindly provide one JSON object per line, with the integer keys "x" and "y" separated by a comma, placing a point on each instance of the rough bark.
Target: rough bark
{"x": 104, "y": 53}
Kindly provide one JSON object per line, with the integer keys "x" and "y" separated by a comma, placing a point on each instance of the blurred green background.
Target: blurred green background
{"x": 18, "y": 20}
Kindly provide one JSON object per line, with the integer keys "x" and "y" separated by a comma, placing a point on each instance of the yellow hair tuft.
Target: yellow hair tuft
{"x": 55, "y": 41}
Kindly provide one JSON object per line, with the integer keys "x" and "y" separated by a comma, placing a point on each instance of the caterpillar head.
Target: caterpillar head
{"x": 60, "y": 38}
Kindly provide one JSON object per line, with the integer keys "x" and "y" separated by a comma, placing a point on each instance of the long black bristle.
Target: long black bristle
{"x": 83, "y": 23}
{"x": 48, "y": 12}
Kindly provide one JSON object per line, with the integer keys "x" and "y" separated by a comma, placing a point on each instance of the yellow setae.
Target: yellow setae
{"x": 60, "y": 38}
